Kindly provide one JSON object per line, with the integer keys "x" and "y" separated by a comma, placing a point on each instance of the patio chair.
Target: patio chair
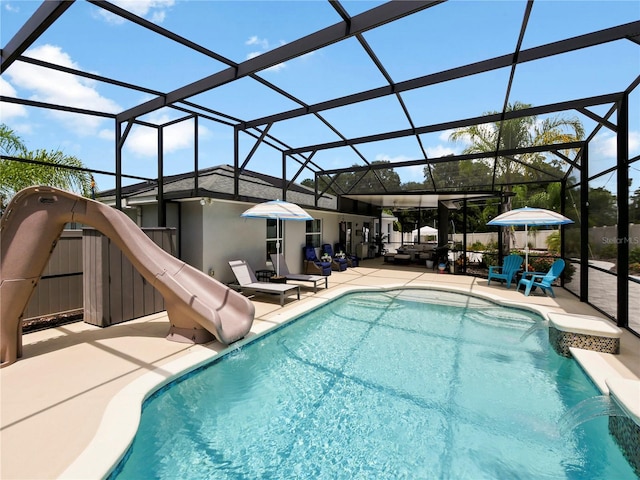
{"x": 540, "y": 279}
{"x": 507, "y": 271}
{"x": 298, "y": 277}
{"x": 352, "y": 260}
{"x": 312, "y": 264}
{"x": 247, "y": 281}
{"x": 339, "y": 264}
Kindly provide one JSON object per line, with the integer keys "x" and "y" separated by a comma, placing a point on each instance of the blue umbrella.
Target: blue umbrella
{"x": 277, "y": 210}
{"x": 529, "y": 216}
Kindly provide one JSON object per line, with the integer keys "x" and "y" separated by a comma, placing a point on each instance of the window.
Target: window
{"x": 365, "y": 232}
{"x": 273, "y": 238}
{"x": 313, "y": 236}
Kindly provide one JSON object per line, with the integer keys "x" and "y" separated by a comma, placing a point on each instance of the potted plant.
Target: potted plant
{"x": 379, "y": 239}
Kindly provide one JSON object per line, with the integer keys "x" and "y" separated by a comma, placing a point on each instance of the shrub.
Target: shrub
{"x": 477, "y": 246}
{"x": 553, "y": 242}
{"x": 489, "y": 258}
{"x": 606, "y": 251}
{"x": 634, "y": 255}
{"x": 634, "y": 268}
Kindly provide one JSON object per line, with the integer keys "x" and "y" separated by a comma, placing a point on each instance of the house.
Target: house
{"x": 210, "y": 230}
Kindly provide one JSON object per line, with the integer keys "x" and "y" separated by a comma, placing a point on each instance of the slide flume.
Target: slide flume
{"x": 199, "y": 307}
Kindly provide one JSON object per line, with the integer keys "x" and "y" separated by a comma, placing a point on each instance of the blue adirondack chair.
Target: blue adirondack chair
{"x": 507, "y": 271}
{"x": 541, "y": 279}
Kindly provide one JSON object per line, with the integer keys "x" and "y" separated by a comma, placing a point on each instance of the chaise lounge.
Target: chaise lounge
{"x": 298, "y": 277}
{"x": 247, "y": 281}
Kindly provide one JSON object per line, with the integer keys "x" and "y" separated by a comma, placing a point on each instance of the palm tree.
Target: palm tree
{"x": 16, "y": 175}
{"x": 518, "y": 133}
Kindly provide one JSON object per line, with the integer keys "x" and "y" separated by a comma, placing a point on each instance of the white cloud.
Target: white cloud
{"x": 22, "y": 128}
{"x": 634, "y": 143}
{"x": 388, "y": 158}
{"x": 10, "y": 110}
{"x": 439, "y": 151}
{"x": 276, "y": 68}
{"x": 605, "y": 145}
{"x": 61, "y": 88}
{"x": 143, "y": 141}
{"x": 445, "y": 134}
{"x": 11, "y": 8}
{"x": 107, "y": 134}
{"x": 263, "y": 43}
{"x": 154, "y": 10}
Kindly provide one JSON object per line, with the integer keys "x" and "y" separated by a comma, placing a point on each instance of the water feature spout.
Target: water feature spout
{"x": 586, "y": 410}
{"x": 541, "y": 325}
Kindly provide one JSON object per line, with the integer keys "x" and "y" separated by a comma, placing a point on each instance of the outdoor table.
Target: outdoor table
{"x": 264, "y": 275}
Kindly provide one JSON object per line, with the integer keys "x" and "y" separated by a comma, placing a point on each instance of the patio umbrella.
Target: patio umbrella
{"x": 425, "y": 231}
{"x": 529, "y": 216}
{"x": 277, "y": 210}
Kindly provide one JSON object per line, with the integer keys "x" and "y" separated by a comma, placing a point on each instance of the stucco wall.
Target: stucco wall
{"x": 214, "y": 233}
{"x": 191, "y": 245}
{"x": 227, "y": 236}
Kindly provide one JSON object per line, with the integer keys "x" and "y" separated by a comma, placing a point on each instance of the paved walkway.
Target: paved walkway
{"x": 602, "y": 293}
{"x": 53, "y": 399}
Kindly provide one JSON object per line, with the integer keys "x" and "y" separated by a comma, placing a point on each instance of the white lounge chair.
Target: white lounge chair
{"x": 247, "y": 282}
{"x": 299, "y": 277}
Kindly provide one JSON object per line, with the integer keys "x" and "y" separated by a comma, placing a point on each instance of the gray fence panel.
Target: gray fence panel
{"x": 114, "y": 291}
{"x": 60, "y": 287}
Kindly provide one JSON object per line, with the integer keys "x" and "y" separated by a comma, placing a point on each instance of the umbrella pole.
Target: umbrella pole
{"x": 526, "y": 248}
{"x": 277, "y": 247}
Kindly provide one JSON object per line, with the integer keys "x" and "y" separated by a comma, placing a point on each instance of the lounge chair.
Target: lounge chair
{"x": 541, "y": 279}
{"x": 352, "y": 260}
{"x": 312, "y": 264}
{"x": 339, "y": 264}
{"x": 507, "y": 271}
{"x": 247, "y": 282}
{"x": 298, "y": 277}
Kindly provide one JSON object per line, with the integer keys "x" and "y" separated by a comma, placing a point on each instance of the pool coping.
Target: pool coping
{"x": 121, "y": 418}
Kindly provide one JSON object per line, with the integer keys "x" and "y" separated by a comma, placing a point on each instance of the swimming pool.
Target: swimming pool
{"x": 397, "y": 384}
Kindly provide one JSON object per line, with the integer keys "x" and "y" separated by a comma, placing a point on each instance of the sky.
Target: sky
{"x": 446, "y": 36}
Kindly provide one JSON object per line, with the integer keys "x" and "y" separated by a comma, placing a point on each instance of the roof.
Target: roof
{"x": 218, "y": 182}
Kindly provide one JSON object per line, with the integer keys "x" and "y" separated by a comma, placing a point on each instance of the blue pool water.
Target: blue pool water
{"x": 402, "y": 384}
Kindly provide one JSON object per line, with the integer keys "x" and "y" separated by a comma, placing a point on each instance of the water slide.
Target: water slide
{"x": 199, "y": 307}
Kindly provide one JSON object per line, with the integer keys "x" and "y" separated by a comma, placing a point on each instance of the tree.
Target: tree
{"x": 360, "y": 181}
{"x": 518, "y": 133}
{"x": 16, "y": 175}
{"x": 458, "y": 175}
{"x": 603, "y": 207}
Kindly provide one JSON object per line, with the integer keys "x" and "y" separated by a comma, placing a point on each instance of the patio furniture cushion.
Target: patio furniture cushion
{"x": 337, "y": 263}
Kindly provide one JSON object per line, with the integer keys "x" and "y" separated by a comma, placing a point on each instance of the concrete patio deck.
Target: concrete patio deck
{"x": 54, "y": 398}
